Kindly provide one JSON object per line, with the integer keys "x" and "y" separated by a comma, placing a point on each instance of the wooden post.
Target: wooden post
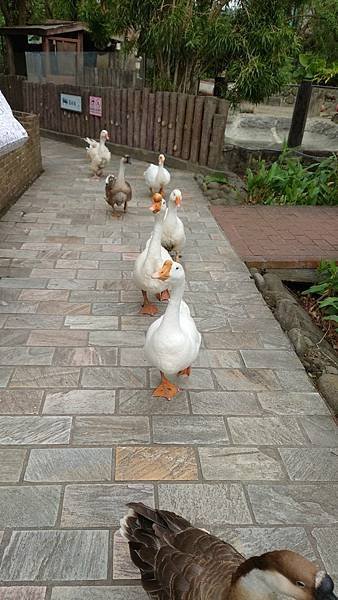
{"x": 10, "y": 55}
{"x": 217, "y": 140}
{"x": 300, "y": 114}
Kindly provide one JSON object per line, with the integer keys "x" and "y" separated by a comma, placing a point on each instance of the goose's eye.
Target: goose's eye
{"x": 177, "y": 268}
{"x": 300, "y": 584}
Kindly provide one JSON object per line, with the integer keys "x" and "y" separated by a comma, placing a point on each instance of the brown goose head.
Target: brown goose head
{"x": 284, "y": 572}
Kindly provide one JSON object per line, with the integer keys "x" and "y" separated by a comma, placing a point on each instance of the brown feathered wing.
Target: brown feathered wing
{"x": 178, "y": 561}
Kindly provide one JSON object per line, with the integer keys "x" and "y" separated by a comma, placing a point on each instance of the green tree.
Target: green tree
{"x": 187, "y": 39}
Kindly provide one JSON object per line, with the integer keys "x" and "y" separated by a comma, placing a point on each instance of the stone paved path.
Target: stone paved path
{"x": 247, "y": 449}
{"x": 281, "y": 236}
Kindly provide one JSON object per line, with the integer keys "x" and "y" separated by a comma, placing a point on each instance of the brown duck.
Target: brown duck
{"x": 118, "y": 190}
{"x": 180, "y": 562}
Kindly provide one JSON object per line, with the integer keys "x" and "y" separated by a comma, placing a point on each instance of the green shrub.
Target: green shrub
{"x": 288, "y": 181}
{"x": 327, "y": 289}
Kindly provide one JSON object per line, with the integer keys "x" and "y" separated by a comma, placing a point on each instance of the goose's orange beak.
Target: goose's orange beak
{"x": 178, "y": 200}
{"x": 164, "y": 273}
{"x": 156, "y": 203}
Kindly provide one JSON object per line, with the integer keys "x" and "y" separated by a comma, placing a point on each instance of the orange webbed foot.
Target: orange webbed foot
{"x": 166, "y": 389}
{"x": 148, "y": 309}
{"x": 186, "y": 371}
{"x": 165, "y": 295}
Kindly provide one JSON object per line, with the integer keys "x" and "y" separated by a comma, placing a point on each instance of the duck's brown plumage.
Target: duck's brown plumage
{"x": 178, "y": 561}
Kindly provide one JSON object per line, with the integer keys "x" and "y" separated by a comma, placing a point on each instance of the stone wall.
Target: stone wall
{"x": 18, "y": 169}
{"x": 323, "y": 99}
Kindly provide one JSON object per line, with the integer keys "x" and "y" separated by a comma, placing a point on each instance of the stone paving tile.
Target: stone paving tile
{"x": 23, "y": 593}
{"x": 110, "y": 378}
{"x": 44, "y": 295}
{"x": 244, "y": 463}
{"x": 140, "y": 402}
{"x": 70, "y": 284}
{"x": 101, "y": 505}
{"x": 311, "y": 464}
{"x": 29, "y": 506}
{"x": 45, "y": 377}
{"x": 321, "y": 430}
{"x": 80, "y": 402}
{"x": 23, "y": 430}
{"x": 224, "y": 403}
{"x": 95, "y": 296}
{"x": 69, "y": 464}
{"x": 327, "y": 544}
{"x": 83, "y": 357}
{"x": 266, "y": 431}
{"x": 63, "y": 308}
{"x": 295, "y": 504}
{"x": 5, "y": 375}
{"x": 207, "y": 504}
{"x": 11, "y": 464}
{"x": 271, "y": 359}
{"x": 56, "y": 556}
{"x": 17, "y": 307}
{"x": 46, "y": 337}
{"x": 111, "y": 430}
{"x": 99, "y": 593}
{"x": 251, "y": 380}
{"x": 90, "y": 322}
{"x": 189, "y": 430}
{"x": 253, "y": 541}
{"x": 116, "y": 338}
{"x": 24, "y": 283}
{"x": 123, "y": 568}
{"x": 145, "y": 463}
{"x": 289, "y": 403}
{"x": 13, "y": 337}
{"x": 20, "y": 401}
{"x": 18, "y": 355}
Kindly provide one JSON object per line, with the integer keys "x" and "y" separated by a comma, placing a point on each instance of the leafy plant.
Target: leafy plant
{"x": 327, "y": 289}
{"x": 215, "y": 178}
{"x": 288, "y": 181}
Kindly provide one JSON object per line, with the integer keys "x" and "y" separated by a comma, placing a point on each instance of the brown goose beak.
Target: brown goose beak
{"x": 164, "y": 273}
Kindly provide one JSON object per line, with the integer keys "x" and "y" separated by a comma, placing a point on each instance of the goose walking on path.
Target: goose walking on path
{"x": 151, "y": 260}
{"x": 180, "y": 562}
{"x": 172, "y": 341}
{"x": 118, "y": 190}
{"x": 98, "y": 153}
{"x": 157, "y": 177}
{"x": 173, "y": 234}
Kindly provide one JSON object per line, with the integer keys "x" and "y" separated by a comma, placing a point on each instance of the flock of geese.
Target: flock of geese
{"x": 176, "y": 560}
{"x": 172, "y": 341}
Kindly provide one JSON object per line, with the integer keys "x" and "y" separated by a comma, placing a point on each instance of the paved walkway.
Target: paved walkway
{"x": 244, "y": 450}
{"x": 281, "y": 236}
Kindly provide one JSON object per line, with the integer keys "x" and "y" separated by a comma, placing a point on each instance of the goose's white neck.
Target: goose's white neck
{"x": 102, "y": 142}
{"x": 173, "y": 309}
{"x": 120, "y": 176}
{"x": 154, "y": 247}
{"x": 172, "y": 213}
{"x": 256, "y": 585}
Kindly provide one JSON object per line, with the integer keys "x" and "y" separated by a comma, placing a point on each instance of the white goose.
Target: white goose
{"x": 173, "y": 235}
{"x": 157, "y": 177}
{"x": 98, "y": 153}
{"x": 151, "y": 260}
{"x": 172, "y": 341}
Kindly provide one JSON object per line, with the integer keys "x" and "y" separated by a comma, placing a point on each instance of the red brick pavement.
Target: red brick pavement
{"x": 280, "y": 236}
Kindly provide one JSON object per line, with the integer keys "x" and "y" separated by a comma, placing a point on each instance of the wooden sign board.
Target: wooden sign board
{"x": 70, "y": 102}
{"x": 95, "y": 106}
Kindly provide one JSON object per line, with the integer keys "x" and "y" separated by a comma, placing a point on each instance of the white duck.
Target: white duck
{"x": 98, "y": 153}
{"x": 151, "y": 260}
{"x": 172, "y": 341}
{"x": 157, "y": 177}
{"x": 173, "y": 235}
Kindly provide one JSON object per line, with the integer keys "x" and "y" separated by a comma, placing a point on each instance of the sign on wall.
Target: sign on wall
{"x": 95, "y": 106}
{"x": 70, "y": 102}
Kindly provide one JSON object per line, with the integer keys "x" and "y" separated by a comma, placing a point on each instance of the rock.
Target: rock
{"x": 301, "y": 342}
{"x": 259, "y": 280}
{"x": 328, "y": 386}
{"x": 288, "y": 313}
{"x": 331, "y": 370}
{"x": 212, "y": 194}
{"x": 335, "y": 118}
{"x": 213, "y": 185}
{"x": 273, "y": 289}
{"x": 199, "y": 178}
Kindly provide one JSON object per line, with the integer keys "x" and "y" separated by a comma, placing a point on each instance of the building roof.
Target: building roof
{"x": 45, "y": 29}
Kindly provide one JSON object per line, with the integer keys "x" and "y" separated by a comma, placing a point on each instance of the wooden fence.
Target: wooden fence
{"x": 181, "y": 125}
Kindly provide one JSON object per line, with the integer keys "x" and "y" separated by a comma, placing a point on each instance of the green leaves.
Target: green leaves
{"x": 287, "y": 181}
{"x": 327, "y": 289}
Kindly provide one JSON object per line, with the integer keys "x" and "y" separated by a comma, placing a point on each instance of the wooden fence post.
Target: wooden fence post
{"x": 217, "y": 140}
{"x": 300, "y": 114}
{"x": 196, "y": 129}
{"x": 209, "y": 111}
